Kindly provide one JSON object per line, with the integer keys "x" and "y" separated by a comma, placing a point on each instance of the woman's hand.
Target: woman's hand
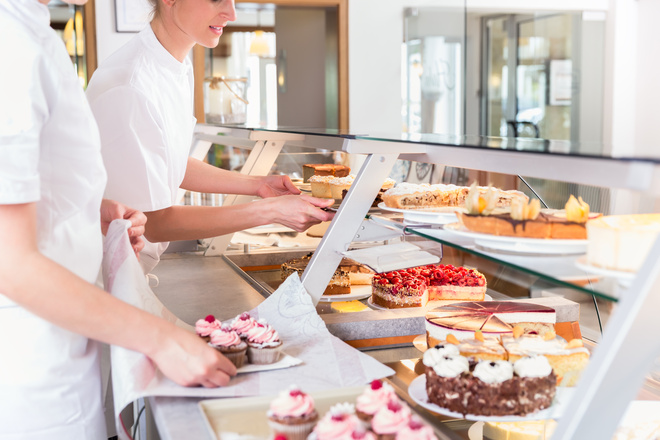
{"x": 296, "y": 212}
{"x": 273, "y": 186}
{"x": 112, "y": 210}
{"x": 187, "y": 360}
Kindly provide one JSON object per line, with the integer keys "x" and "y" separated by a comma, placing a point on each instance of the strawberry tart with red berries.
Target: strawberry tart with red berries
{"x": 415, "y": 286}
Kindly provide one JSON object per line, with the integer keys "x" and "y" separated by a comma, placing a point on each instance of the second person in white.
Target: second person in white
{"x": 142, "y": 98}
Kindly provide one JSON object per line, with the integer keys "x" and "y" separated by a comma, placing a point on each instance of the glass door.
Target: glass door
{"x": 534, "y": 75}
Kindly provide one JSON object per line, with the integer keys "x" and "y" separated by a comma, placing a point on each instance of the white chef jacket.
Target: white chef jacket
{"x": 49, "y": 154}
{"x": 142, "y": 98}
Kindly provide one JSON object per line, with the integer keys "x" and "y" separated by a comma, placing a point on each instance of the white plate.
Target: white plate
{"x": 417, "y": 392}
{"x": 436, "y": 303}
{"x": 357, "y": 292}
{"x": 519, "y": 245}
{"x": 624, "y": 278}
{"x": 437, "y": 216}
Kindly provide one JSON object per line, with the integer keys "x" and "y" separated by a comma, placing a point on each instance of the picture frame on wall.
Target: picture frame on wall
{"x": 131, "y": 15}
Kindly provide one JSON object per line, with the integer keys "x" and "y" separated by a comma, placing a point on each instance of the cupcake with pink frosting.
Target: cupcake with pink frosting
{"x": 374, "y": 397}
{"x": 416, "y": 430}
{"x": 204, "y": 327}
{"x": 292, "y": 414}
{"x": 242, "y": 324}
{"x": 264, "y": 344}
{"x": 337, "y": 424}
{"x": 227, "y": 342}
{"x": 390, "y": 419}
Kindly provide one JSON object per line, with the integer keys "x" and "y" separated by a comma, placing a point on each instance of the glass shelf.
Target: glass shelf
{"x": 560, "y": 270}
{"x": 469, "y": 142}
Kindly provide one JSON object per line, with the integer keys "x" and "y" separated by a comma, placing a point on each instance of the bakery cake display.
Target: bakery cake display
{"x": 415, "y": 286}
{"x": 488, "y": 388}
{"x": 491, "y": 318}
{"x": 349, "y": 272}
{"x": 621, "y": 242}
{"x": 324, "y": 169}
{"x": 426, "y": 196}
{"x": 523, "y": 219}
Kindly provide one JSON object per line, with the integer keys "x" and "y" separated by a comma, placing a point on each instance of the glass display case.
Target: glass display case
{"x": 616, "y": 310}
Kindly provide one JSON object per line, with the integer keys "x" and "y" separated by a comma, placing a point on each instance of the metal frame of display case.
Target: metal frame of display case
{"x": 629, "y": 344}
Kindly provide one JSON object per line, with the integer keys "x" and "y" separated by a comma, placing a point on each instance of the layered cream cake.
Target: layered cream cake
{"x": 621, "y": 242}
{"x": 492, "y": 318}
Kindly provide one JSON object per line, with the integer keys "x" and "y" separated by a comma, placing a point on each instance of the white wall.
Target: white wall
{"x": 108, "y": 39}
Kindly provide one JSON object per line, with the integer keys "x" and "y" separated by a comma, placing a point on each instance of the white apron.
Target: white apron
{"x": 49, "y": 154}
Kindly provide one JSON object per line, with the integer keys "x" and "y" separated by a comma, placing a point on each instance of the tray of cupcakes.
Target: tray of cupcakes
{"x": 373, "y": 412}
{"x": 250, "y": 344}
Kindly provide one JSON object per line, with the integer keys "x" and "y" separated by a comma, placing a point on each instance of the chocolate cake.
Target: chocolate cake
{"x": 488, "y": 388}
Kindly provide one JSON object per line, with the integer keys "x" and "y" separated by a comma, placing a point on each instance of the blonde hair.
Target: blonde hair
{"x": 154, "y": 8}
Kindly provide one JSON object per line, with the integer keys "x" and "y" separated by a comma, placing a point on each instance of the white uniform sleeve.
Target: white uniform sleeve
{"x": 23, "y": 112}
{"x": 134, "y": 149}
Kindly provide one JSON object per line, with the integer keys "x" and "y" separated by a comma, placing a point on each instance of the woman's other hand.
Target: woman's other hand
{"x": 273, "y": 186}
{"x": 112, "y": 210}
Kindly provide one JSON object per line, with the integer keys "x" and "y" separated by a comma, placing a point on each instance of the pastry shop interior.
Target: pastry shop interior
{"x": 492, "y": 268}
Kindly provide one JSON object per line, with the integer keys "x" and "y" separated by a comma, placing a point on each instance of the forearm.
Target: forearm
{"x": 59, "y": 296}
{"x": 205, "y": 178}
{"x": 197, "y": 222}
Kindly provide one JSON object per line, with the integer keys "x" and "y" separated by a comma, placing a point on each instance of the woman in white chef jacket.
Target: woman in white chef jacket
{"x": 142, "y": 98}
{"x": 51, "y": 185}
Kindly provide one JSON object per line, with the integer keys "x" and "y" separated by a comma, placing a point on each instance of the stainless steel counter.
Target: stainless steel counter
{"x": 193, "y": 286}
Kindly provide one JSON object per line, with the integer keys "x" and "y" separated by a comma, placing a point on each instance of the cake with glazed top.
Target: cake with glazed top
{"x": 292, "y": 414}
{"x": 488, "y": 388}
{"x": 264, "y": 344}
{"x": 324, "y": 169}
{"x": 492, "y": 318}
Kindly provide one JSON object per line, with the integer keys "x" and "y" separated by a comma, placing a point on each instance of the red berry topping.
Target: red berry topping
{"x": 244, "y": 316}
{"x": 394, "y": 406}
{"x": 338, "y": 417}
{"x": 376, "y": 384}
{"x": 210, "y": 319}
{"x": 280, "y": 437}
{"x": 295, "y": 393}
{"x": 415, "y": 424}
